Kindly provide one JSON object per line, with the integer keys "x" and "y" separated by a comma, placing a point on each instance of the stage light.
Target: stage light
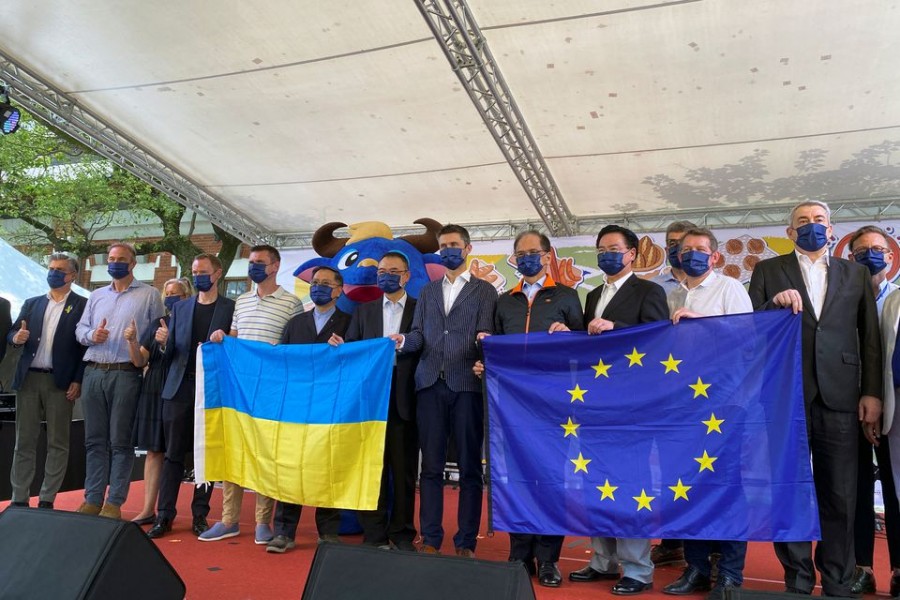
{"x": 9, "y": 118}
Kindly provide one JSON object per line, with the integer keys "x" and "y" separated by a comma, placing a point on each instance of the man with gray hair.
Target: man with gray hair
{"x": 111, "y": 382}
{"x": 47, "y": 380}
{"x": 671, "y": 280}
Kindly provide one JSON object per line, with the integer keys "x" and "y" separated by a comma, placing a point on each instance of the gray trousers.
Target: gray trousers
{"x": 632, "y": 554}
{"x": 39, "y": 399}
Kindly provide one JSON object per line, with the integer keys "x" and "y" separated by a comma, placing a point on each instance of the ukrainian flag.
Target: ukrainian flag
{"x": 303, "y": 424}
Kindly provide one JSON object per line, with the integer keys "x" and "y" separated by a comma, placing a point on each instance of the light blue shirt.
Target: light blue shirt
{"x": 666, "y": 281}
{"x": 531, "y": 289}
{"x": 139, "y": 301}
{"x": 321, "y": 318}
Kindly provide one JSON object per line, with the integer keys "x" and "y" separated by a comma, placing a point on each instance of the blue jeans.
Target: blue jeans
{"x": 440, "y": 413}
{"x": 109, "y": 400}
{"x": 696, "y": 554}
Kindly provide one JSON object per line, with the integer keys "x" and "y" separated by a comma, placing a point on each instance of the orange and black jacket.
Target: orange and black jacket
{"x": 552, "y": 303}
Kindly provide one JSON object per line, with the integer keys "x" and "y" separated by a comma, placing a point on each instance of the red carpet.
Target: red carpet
{"x": 238, "y": 569}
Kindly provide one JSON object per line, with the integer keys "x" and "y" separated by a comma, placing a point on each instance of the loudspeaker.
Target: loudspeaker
{"x": 63, "y": 555}
{"x": 742, "y": 594}
{"x": 350, "y": 572}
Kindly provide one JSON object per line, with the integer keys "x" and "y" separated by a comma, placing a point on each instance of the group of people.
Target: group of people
{"x": 129, "y": 354}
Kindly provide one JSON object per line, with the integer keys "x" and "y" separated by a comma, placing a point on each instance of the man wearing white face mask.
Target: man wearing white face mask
{"x": 842, "y": 385}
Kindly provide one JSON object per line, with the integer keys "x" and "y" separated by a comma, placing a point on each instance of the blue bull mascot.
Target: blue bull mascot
{"x": 356, "y": 258}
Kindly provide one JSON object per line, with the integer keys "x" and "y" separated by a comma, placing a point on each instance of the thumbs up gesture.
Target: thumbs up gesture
{"x": 22, "y": 335}
{"x": 131, "y": 332}
{"x": 162, "y": 334}
{"x": 101, "y": 334}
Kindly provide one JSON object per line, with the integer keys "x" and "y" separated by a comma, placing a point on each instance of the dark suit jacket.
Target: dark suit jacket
{"x": 368, "y": 323}
{"x": 841, "y": 349}
{"x": 301, "y": 329}
{"x": 178, "y": 346}
{"x": 5, "y": 323}
{"x": 67, "y": 353}
{"x": 639, "y": 301}
{"x": 447, "y": 342}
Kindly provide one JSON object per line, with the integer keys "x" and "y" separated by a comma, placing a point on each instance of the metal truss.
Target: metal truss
{"x": 52, "y": 106}
{"x": 463, "y": 44}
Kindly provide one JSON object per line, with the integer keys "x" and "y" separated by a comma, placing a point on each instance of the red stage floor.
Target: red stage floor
{"x": 238, "y": 569}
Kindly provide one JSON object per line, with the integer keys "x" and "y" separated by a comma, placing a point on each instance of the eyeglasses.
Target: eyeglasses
{"x": 390, "y": 271}
{"x": 259, "y": 262}
{"x": 325, "y": 283}
{"x": 874, "y": 248}
{"x": 524, "y": 253}
{"x": 602, "y": 251}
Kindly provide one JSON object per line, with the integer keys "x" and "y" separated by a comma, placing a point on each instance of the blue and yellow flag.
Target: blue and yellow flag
{"x": 688, "y": 431}
{"x": 300, "y": 423}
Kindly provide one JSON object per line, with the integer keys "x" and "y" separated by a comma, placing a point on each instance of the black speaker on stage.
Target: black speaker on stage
{"x": 349, "y": 572}
{"x": 65, "y": 555}
{"x": 742, "y": 594}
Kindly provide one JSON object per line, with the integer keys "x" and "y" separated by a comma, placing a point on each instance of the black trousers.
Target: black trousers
{"x": 864, "y": 529}
{"x": 395, "y": 521}
{"x": 527, "y": 546}
{"x": 178, "y": 434}
{"x": 287, "y": 516}
{"x": 834, "y": 443}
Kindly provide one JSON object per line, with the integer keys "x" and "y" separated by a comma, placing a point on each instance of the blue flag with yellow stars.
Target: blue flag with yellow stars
{"x": 688, "y": 431}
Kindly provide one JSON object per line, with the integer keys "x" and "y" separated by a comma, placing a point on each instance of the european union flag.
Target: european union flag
{"x": 688, "y": 431}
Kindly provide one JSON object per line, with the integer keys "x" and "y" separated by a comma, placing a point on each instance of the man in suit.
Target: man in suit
{"x": 842, "y": 384}
{"x": 381, "y": 318}
{"x": 314, "y": 327}
{"x": 450, "y": 314}
{"x": 536, "y": 303}
{"x": 5, "y": 324}
{"x": 47, "y": 381}
{"x": 192, "y": 323}
{"x": 624, "y": 300}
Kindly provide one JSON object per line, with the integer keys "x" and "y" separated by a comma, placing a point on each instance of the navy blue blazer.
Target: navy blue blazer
{"x": 447, "y": 342}
{"x": 178, "y": 346}
{"x": 67, "y": 353}
{"x": 301, "y": 329}
{"x": 5, "y": 323}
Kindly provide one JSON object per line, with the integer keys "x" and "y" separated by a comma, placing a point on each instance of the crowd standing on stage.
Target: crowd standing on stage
{"x": 127, "y": 356}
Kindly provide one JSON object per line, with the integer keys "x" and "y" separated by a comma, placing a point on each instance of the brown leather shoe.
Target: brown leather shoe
{"x": 465, "y": 552}
{"x": 89, "y": 509}
{"x": 110, "y": 511}
{"x": 426, "y": 549}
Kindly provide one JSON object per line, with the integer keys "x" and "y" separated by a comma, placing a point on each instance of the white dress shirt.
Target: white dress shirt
{"x": 815, "y": 276}
{"x": 715, "y": 295}
{"x": 452, "y": 290}
{"x": 609, "y": 291}
{"x": 392, "y": 313}
{"x": 43, "y": 358}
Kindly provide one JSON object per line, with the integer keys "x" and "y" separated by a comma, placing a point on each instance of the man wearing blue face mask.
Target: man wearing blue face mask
{"x": 111, "y": 382}
{"x": 47, "y": 381}
{"x": 842, "y": 385}
{"x": 668, "y": 281}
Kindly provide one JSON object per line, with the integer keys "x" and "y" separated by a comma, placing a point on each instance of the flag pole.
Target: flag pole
{"x": 487, "y": 447}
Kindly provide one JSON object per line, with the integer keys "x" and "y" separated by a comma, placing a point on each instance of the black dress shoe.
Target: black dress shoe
{"x": 724, "y": 582}
{"x": 798, "y": 591}
{"x": 629, "y": 587}
{"x": 160, "y": 528}
{"x": 528, "y": 563}
{"x": 404, "y": 546}
{"x": 863, "y": 582}
{"x": 45, "y": 504}
{"x": 549, "y": 575}
{"x": 19, "y": 504}
{"x": 691, "y": 581}
{"x": 146, "y": 520}
{"x": 589, "y": 573}
{"x": 895, "y": 586}
{"x": 199, "y": 526}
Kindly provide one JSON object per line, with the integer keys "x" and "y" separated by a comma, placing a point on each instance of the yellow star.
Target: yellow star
{"x": 581, "y": 463}
{"x": 670, "y": 364}
{"x": 644, "y": 500}
{"x": 713, "y": 424}
{"x": 699, "y": 388}
{"x": 635, "y": 358}
{"x": 577, "y": 393}
{"x": 606, "y": 491}
{"x": 570, "y": 428}
{"x": 680, "y": 490}
{"x": 706, "y": 461}
{"x": 601, "y": 369}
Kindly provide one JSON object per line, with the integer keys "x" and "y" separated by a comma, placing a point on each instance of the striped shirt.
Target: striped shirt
{"x": 139, "y": 301}
{"x": 263, "y": 319}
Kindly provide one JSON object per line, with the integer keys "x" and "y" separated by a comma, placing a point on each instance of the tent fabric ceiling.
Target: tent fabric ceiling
{"x": 297, "y": 113}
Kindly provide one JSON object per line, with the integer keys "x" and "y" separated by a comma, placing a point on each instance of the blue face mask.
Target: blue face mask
{"x": 674, "y": 257}
{"x": 56, "y": 278}
{"x": 117, "y": 270}
{"x": 388, "y": 283}
{"x": 872, "y": 260}
{"x": 257, "y": 272}
{"x": 611, "y": 262}
{"x": 203, "y": 282}
{"x": 320, "y": 294}
{"x": 695, "y": 263}
{"x": 170, "y": 302}
{"x": 452, "y": 258}
{"x": 812, "y": 237}
{"x": 529, "y": 265}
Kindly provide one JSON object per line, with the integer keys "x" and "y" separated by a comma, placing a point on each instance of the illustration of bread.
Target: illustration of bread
{"x": 649, "y": 255}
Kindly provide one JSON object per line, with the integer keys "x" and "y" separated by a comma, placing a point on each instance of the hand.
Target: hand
{"x": 335, "y": 340}
{"x": 789, "y": 298}
{"x": 130, "y": 332}
{"x": 478, "y": 369}
{"x": 481, "y": 335}
{"x": 101, "y": 334}
{"x": 557, "y": 326}
{"x": 217, "y": 336}
{"x": 683, "y": 313}
{"x": 398, "y": 339}
{"x": 599, "y": 325}
{"x": 22, "y": 334}
{"x": 162, "y": 334}
{"x": 74, "y": 391}
{"x": 870, "y": 418}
